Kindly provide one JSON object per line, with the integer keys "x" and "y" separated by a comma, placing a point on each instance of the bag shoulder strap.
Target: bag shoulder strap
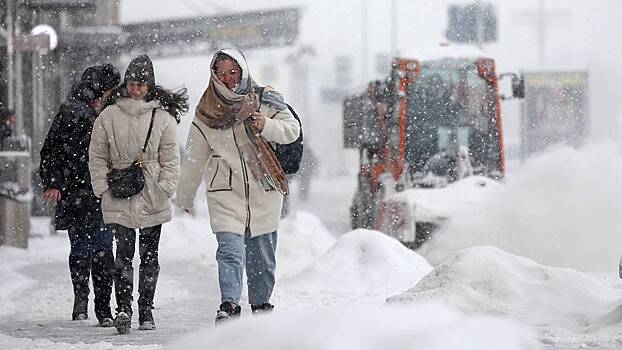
{"x": 153, "y": 113}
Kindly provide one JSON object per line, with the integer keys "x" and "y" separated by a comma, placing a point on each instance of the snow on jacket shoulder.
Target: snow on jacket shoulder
{"x": 117, "y": 140}
{"x": 235, "y": 199}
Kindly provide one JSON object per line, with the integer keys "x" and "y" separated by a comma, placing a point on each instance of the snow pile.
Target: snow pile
{"x": 425, "y": 326}
{"x": 490, "y": 281}
{"x": 561, "y": 208}
{"x": 437, "y": 204}
{"x": 362, "y": 266}
{"x": 302, "y": 239}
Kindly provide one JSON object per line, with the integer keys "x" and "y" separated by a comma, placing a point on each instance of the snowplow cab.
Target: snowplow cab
{"x": 434, "y": 120}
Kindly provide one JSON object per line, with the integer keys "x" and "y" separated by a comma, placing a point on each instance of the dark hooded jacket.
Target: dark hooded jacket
{"x": 64, "y": 159}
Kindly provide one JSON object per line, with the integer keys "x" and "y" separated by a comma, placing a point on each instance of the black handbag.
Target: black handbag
{"x": 127, "y": 182}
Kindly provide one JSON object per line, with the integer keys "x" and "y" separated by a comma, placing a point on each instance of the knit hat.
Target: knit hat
{"x": 141, "y": 70}
{"x": 104, "y": 77}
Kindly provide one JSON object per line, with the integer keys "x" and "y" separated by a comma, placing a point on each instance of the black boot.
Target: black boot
{"x": 148, "y": 273}
{"x": 79, "y": 267}
{"x": 124, "y": 277}
{"x": 123, "y": 322}
{"x": 227, "y": 311}
{"x": 145, "y": 319}
{"x": 262, "y": 308}
{"x": 103, "y": 273}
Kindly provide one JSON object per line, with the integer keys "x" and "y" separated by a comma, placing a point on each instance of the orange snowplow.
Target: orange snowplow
{"x": 434, "y": 120}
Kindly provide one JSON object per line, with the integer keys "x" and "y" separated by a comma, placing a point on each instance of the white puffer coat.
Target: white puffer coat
{"x": 117, "y": 139}
{"x": 236, "y": 200}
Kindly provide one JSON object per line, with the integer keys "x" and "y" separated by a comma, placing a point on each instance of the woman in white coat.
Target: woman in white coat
{"x": 229, "y": 138}
{"x": 117, "y": 140}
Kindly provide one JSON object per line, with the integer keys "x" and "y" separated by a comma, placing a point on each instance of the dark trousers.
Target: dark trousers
{"x": 149, "y": 239}
{"x": 91, "y": 254}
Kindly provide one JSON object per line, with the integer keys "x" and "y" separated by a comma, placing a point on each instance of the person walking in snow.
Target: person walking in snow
{"x": 65, "y": 176}
{"x": 229, "y": 139}
{"x": 119, "y": 134}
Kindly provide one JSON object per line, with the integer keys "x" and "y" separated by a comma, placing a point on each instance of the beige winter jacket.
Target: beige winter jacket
{"x": 118, "y": 137}
{"x": 236, "y": 200}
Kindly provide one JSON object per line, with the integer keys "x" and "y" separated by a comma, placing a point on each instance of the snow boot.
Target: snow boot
{"x": 227, "y": 311}
{"x": 80, "y": 306}
{"x": 123, "y": 322}
{"x": 79, "y": 267}
{"x": 103, "y": 274}
{"x": 106, "y": 322}
{"x": 262, "y": 308}
{"x": 145, "y": 319}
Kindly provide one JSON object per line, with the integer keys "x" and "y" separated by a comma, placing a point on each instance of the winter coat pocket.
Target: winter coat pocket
{"x": 219, "y": 175}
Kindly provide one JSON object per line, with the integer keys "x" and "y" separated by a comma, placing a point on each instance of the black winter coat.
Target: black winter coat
{"x": 64, "y": 164}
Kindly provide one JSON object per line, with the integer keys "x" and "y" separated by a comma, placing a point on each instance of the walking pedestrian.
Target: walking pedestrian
{"x": 65, "y": 177}
{"x": 140, "y": 125}
{"x": 245, "y": 182}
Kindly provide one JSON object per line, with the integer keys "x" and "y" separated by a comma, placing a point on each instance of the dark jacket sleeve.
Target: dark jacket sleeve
{"x": 53, "y": 165}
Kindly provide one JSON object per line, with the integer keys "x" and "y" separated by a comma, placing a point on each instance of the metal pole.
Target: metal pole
{"x": 9, "y": 51}
{"x": 394, "y": 26}
{"x": 19, "y": 82}
{"x": 364, "y": 63}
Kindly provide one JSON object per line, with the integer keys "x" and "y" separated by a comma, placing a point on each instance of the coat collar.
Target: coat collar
{"x": 136, "y": 108}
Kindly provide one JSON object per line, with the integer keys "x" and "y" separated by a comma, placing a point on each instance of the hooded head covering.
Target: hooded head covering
{"x": 104, "y": 77}
{"x": 246, "y": 83}
{"x": 83, "y": 91}
{"x": 141, "y": 69}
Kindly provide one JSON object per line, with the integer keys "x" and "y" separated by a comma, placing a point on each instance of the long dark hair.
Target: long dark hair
{"x": 174, "y": 102}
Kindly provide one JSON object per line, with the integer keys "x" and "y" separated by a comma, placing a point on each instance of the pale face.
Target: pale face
{"x": 137, "y": 90}
{"x": 229, "y": 73}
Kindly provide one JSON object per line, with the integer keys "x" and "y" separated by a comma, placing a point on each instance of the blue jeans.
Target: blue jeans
{"x": 87, "y": 240}
{"x": 258, "y": 254}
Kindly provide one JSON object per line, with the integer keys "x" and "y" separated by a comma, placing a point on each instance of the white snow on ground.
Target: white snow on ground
{"x": 437, "y": 204}
{"x": 424, "y": 326}
{"x": 363, "y": 266}
{"x": 566, "y": 306}
{"x": 302, "y": 239}
{"x": 562, "y": 208}
{"x": 559, "y": 209}
{"x": 343, "y": 288}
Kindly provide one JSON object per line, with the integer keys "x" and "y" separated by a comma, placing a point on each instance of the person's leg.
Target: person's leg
{"x": 148, "y": 274}
{"x": 102, "y": 271}
{"x": 79, "y": 268}
{"x": 260, "y": 270}
{"x": 124, "y": 271}
{"x": 230, "y": 257}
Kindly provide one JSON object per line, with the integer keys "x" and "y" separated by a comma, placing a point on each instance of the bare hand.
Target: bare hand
{"x": 258, "y": 121}
{"x": 52, "y": 195}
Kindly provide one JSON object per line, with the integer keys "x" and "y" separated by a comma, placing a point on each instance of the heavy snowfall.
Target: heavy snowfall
{"x": 531, "y": 261}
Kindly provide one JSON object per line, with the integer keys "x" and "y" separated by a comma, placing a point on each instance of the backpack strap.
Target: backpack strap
{"x": 153, "y": 113}
{"x": 259, "y": 91}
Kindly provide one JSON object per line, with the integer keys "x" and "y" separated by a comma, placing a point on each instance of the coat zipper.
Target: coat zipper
{"x": 246, "y": 185}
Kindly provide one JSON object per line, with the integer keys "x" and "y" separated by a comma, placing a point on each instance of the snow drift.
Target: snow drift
{"x": 428, "y": 326}
{"x": 561, "y": 208}
{"x": 487, "y": 280}
{"x": 362, "y": 265}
